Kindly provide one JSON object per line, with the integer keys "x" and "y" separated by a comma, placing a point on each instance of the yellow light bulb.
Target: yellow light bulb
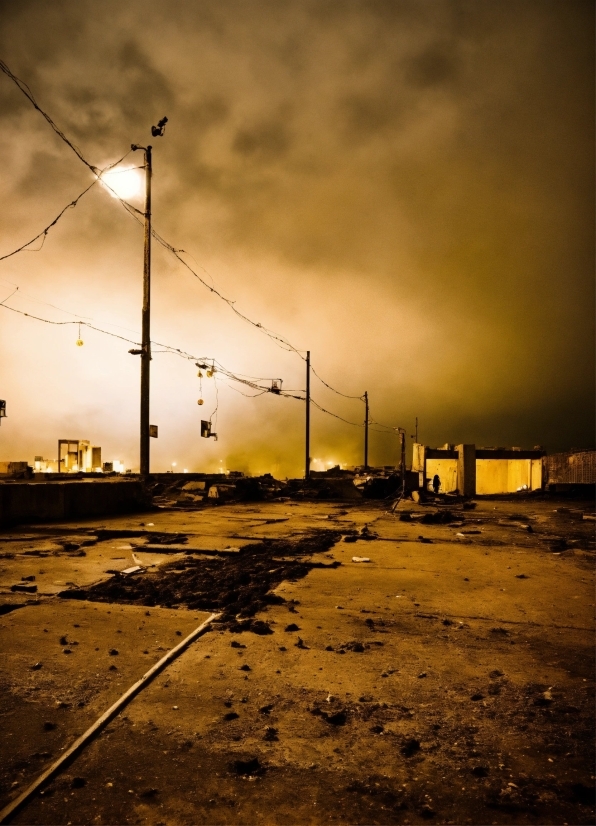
{"x": 80, "y": 342}
{"x": 209, "y": 373}
{"x": 200, "y": 401}
{"x": 200, "y": 375}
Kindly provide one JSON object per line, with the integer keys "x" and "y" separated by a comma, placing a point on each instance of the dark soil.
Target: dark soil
{"x": 237, "y": 585}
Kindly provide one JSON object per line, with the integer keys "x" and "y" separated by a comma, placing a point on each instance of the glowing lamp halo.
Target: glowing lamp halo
{"x": 123, "y": 182}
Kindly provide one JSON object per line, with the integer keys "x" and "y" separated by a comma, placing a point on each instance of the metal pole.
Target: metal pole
{"x": 366, "y": 430}
{"x": 146, "y": 333}
{"x": 307, "y": 458}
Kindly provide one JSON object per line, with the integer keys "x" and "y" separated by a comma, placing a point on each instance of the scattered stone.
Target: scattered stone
{"x": 337, "y": 719}
{"x": 113, "y": 668}
{"x": 282, "y": 648}
{"x": 28, "y": 578}
{"x": 266, "y": 709}
{"x": 425, "y": 540}
{"x": 231, "y": 715}
{"x": 78, "y": 782}
{"x": 148, "y": 793}
{"x": 495, "y": 673}
{"x": 247, "y": 768}
{"x": 270, "y": 734}
{"x": 427, "y": 812}
{"x": 245, "y": 667}
{"x": 66, "y": 651}
{"x": 410, "y": 747}
{"x": 447, "y": 622}
{"x": 422, "y": 675}
{"x": 545, "y": 699}
{"x": 64, "y": 640}
{"x": 47, "y": 726}
{"x": 300, "y": 644}
{"x": 378, "y": 729}
{"x": 502, "y": 631}
{"x": 350, "y": 538}
{"x": 36, "y": 666}
{"x": 477, "y": 696}
{"x": 114, "y": 652}
{"x": 22, "y": 588}
{"x": 292, "y": 627}
{"x": 236, "y": 644}
{"x": 521, "y": 576}
{"x": 360, "y": 559}
{"x": 329, "y": 648}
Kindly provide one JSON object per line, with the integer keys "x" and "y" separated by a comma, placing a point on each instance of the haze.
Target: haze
{"x": 404, "y": 188}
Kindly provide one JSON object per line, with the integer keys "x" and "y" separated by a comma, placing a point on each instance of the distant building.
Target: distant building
{"x": 577, "y": 467}
{"x": 476, "y": 471}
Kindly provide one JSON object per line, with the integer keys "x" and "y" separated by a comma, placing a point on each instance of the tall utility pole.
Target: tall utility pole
{"x": 307, "y": 458}
{"x": 146, "y": 318}
{"x": 366, "y": 430}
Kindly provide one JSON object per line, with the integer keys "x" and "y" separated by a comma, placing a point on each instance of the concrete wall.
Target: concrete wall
{"x": 507, "y": 475}
{"x": 447, "y": 471}
{"x": 22, "y": 502}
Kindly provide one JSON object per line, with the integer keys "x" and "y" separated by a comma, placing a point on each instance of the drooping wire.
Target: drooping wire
{"x": 135, "y": 213}
{"x": 29, "y": 94}
{"x": 71, "y": 205}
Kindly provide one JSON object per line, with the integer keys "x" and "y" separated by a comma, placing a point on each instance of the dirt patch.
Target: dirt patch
{"x": 238, "y": 585}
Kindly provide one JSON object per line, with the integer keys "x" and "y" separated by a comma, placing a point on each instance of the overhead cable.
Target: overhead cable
{"x": 71, "y": 205}
{"x": 137, "y": 214}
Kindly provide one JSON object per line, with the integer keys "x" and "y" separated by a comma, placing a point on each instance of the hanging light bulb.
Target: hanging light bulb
{"x": 200, "y": 401}
{"x": 209, "y": 373}
{"x": 200, "y": 375}
{"x": 80, "y": 341}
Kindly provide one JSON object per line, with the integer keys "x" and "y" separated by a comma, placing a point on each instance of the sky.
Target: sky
{"x": 403, "y": 187}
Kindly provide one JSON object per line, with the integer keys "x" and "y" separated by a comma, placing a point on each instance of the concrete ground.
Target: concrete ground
{"x": 449, "y": 679}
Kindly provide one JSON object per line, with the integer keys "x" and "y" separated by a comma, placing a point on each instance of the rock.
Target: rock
{"x": 36, "y": 666}
{"x": 245, "y": 667}
{"x": 521, "y": 576}
{"x": 66, "y": 651}
{"x": 350, "y": 538}
{"x": 250, "y": 767}
{"x": 427, "y": 812}
{"x": 377, "y": 729}
{"x": 425, "y": 540}
{"x": 28, "y": 578}
{"x": 78, "y": 782}
{"x": 477, "y": 696}
{"x": 292, "y": 627}
{"x": 266, "y": 709}
{"x": 337, "y": 719}
{"x": 300, "y": 644}
{"x": 47, "y": 726}
{"x": 22, "y": 588}
{"x": 270, "y": 734}
{"x": 231, "y": 715}
{"x": 114, "y": 652}
{"x": 360, "y": 559}
{"x": 422, "y": 675}
{"x": 480, "y": 771}
{"x": 410, "y": 747}
{"x": 495, "y": 673}
{"x": 236, "y": 644}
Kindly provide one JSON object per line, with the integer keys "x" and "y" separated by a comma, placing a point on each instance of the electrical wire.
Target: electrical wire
{"x": 71, "y": 205}
{"x": 135, "y": 213}
{"x": 29, "y": 94}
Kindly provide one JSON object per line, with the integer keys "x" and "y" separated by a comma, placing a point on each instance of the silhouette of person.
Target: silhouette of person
{"x": 436, "y": 482}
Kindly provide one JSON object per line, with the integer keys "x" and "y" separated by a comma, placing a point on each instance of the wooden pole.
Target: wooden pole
{"x": 366, "y": 430}
{"x": 307, "y": 457}
{"x": 146, "y": 322}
